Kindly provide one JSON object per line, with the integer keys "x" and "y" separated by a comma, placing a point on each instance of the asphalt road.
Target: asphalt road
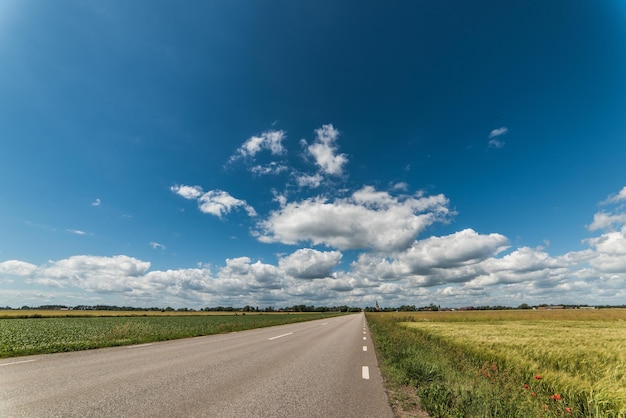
{"x": 324, "y": 368}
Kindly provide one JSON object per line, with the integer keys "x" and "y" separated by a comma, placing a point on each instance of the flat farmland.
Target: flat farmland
{"x": 58, "y": 331}
{"x": 507, "y": 363}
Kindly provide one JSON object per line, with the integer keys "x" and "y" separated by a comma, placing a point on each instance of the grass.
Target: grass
{"x": 507, "y": 363}
{"x": 25, "y": 336}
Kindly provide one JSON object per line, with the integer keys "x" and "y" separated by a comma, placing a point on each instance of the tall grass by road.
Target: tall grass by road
{"x": 23, "y": 336}
{"x": 507, "y": 363}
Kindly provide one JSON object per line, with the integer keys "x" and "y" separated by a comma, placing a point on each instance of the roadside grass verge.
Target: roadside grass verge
{"x": 25, "y": 336}
{"x": 507, "y": 364}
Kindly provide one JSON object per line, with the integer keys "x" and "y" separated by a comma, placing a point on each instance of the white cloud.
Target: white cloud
{"x": 241, "y": 276}
{"x": 494, "y": 143}
{"x": 603, "y": 220}
{"x": 156, "y": 245}
{"x": 96, "y": 202}
{"x": 494, "y": 134}
{"x": 103, "y": 274}
{"x": 497, "y": 132}
{"x": 606, "y": 219}
{"x": 219, "y": 203}
{"x": 270, "y": 140}
{"x": 16, "y": 268}
{"x": 188, "y": 192}
{"x": 440, "y": 258}
{"x": 401, "y": 186}
{"x": 77, "y": 232}
{"x": 368, "y": 219}
{"x": 214, "y": 202}
{"x": 461, "y": 248}
{"x": 609, "y": 251}
{"x": 307, "y": 263}
{"x": 271, "y": 168}
{"x": 616, "y": 198}
{"x": 324, "y": 151}
{"x": 312, "y": 182}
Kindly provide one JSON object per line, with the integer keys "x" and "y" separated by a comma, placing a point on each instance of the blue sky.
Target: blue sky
{"x": 274, "y": 153}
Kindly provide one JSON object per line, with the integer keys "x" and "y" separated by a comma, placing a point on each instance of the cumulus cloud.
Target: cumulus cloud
{"x": 308, "y": 263}
{"x": 241, "y": 275}
{"x": 604, "y": 220}
{"x": 458, "y": 249}
{"x": 188, "y": 192}
{"x": 609, "y": 251}
{"x": 367, "y": 219}
{"x": 432, "y": 256}
{"x": 16, "y": 268}
{"x": 105, "y": 274}
{"x": 325, "y": 152}
{"x": 271, "y": 141}
{"x": 213, "y": 202}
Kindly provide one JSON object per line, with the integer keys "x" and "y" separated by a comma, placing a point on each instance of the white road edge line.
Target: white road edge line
{"x": 365, "y": 372}
{"x": 280, "y": 336}
{"x": 16, "y": 362}
{"x": 139, "y": 345}
{"x": 364, "y": 338}
{"x": 325, "y": 323}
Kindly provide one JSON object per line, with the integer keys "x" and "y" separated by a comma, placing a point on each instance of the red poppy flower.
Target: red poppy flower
{"x": 555, "y": 397}
{"x": 526, "y": 386}
{"x": 568, "y": 409}
{"x": 534, "y": 394}
{"x": 538, "y": 376}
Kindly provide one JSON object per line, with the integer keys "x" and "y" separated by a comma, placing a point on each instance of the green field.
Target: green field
{"x": 39, "y": 335}
{"x": 507, "y": 363}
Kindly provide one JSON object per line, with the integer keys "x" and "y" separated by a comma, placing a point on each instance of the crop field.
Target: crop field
{"x": 507, "y": 363}
{"x": 35, "y": 335}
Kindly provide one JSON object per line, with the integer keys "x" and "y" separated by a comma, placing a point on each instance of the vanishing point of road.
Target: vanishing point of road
{"x": 323, "y": 368}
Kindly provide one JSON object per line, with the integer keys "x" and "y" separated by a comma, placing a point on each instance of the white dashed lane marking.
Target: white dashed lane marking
{"x": 280, "y": 336}
{"x": 16, "y": 362}
{"x": 139, "y": 345}
{"x": 364, "y": 348}
{"x": 365, "y": 372}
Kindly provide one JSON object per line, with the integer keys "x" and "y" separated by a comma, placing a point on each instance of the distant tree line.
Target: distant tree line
{"x": 311, "y": 308}
{"x": 433, "y": 307}
{"x": 247, "y": 308}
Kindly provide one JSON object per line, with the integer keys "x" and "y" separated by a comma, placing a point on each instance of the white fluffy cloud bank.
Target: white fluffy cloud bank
{"x": 461, "y": 268}
{"x": 351, "y": 247}
{"x": 368, "y": 219}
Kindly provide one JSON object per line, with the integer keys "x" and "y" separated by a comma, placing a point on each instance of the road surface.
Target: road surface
{"x": 324, "y": 368}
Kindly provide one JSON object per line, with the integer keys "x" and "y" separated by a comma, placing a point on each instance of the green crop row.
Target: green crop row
{"x": 20, "y": 337}
{"x": 468, "y": 365}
